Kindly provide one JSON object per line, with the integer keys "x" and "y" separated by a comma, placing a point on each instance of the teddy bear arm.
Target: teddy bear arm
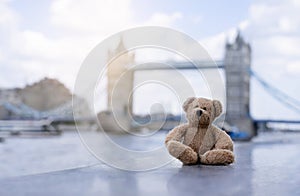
{"x": 224, "y": 142}
{"x": 176, "y": 134}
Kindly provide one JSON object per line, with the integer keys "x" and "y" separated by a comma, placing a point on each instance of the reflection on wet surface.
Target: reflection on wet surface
{"x": 269, "y": 165}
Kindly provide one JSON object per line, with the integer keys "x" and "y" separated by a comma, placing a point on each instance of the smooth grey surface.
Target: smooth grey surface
{"x": 269, "y": 165}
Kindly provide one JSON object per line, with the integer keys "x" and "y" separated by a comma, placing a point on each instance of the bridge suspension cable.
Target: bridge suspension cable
{"x": 285, "y": 99}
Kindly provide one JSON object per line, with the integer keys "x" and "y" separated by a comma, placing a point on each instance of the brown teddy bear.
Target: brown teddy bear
{"x": 199, "y": 141}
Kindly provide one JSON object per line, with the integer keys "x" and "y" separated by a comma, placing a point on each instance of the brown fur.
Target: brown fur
{"x": 199, "y": 140}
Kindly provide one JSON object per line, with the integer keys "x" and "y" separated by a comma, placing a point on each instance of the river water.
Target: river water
{"x": 40, "y": 154}
{"x": 23, "y": 156}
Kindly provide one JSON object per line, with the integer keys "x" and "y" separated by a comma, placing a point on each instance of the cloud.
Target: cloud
{"x": 8, "y": 17}
{"x": 243, "y": 25}
{"x": 162, "y": 19}
{"x": 272, "y": 29}
{"x": 275, "y": 18}
{"x": 197, "y": 19}
{"x": 92, "y": 16}
{"x": 104, "y": 17}
{"x": 276, "y": 28}
{"x": 294, "y": 67}
{"x": 76, "y": 26}
{"x": 215, "y": 44}
{"x": 275, "y": 32}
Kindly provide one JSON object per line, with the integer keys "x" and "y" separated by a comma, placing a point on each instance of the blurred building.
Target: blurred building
{"x": 120, "y": 77}
{"x": 120, "y": 80}
{"x": 10, "y": 95}
{"x": 9, "y": 98}
{"x": 45, "y": 94}
{"x": 237, "y": 68}
{"x": 47, "y": 98}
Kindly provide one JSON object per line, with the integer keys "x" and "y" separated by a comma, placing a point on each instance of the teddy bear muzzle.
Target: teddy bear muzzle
{"x": 199, "y": 113}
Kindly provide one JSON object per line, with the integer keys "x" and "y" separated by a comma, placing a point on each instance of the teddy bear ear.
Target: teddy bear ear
{"x": 187, "y": 103}
{"x": 218, "y": 107}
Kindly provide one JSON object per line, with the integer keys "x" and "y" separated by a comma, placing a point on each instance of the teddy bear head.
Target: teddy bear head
{"x": 201, "y": 112}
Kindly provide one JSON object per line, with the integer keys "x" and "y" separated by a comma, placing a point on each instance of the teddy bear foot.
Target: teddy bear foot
{"x": 188, "y": 157}
{"x": 217, "y": 157}
{"x": 182, "y": 152}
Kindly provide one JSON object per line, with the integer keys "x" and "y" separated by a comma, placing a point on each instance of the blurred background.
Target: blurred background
{"x": 52, "y": 38}
{"x": 43, "y": 44}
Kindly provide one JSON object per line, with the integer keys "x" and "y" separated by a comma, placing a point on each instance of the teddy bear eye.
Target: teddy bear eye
{"x": 196, "y": 106}
{"x": 204, "y": 108}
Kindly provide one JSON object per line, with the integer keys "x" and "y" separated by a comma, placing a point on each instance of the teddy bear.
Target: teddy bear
{"x": 198, "y": 141}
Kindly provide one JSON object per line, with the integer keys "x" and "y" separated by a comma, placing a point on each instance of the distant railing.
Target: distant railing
{"x": 184, "y": 65}
{"x": 17, "y": 126}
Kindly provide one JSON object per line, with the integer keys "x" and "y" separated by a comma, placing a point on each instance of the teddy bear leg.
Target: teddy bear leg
{"x": 217, "y": 157}
{"x": 182, "y": 152}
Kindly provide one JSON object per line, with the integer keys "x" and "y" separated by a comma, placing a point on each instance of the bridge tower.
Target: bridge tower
{"x": 237, "y": 64}
{"x": 120, "y": 78}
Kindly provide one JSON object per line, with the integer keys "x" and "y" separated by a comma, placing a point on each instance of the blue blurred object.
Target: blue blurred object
{"x": 239, "y": 135}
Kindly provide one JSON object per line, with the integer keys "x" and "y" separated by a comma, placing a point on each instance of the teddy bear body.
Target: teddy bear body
{"x": 199, "y": 141}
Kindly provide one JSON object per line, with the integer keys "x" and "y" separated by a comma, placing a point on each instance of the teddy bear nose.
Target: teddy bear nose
{"x": 199, "y": 112}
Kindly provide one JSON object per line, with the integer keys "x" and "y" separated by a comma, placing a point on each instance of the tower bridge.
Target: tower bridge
{"x": 237, "y": 67}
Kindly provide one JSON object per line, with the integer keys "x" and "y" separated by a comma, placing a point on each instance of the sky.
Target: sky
{"x": 52, "y": 37}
